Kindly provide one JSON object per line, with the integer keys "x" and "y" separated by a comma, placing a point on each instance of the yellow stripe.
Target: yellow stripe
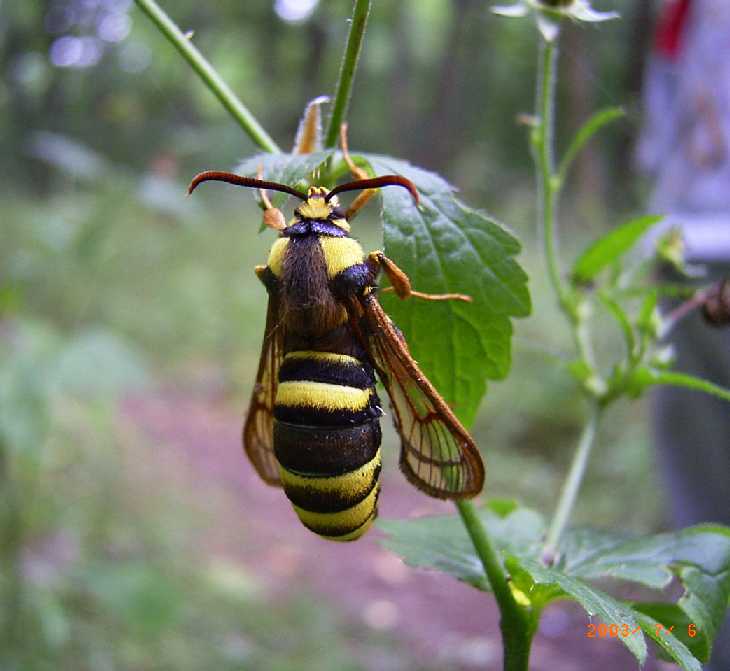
{"x": 342, "y": 223}
{"x": 353, "y": 535}
{"x": 340, "y": 253}
{"x": 276, "y": 256}
{"x": 350, "y": 518}
{"x": 355, "y": 483}
{"x": 322, "y": 395}
{"x": 324, "y": 356}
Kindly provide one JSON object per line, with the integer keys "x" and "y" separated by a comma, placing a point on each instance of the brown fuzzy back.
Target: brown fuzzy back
{"x": 309, "y": 307}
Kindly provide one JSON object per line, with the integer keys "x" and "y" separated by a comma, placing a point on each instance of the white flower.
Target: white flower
{"x": 548, "y": 13}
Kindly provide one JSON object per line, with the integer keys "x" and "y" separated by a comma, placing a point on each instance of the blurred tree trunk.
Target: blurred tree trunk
{"x": 270, "y": 25}
{"x": 641, "y": 19}
{"x": 31, "y": 110}
{"x": 313, "y": 61}
{"x": 401, "y": 104}
{"x": 272, "y": 70}
{"x": 449, "y": 91}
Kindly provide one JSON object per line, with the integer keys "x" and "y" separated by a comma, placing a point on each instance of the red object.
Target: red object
{"x": 671, "y": 23}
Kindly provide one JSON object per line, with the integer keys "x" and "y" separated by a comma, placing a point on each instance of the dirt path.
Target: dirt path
{"x": 439, "y": 618}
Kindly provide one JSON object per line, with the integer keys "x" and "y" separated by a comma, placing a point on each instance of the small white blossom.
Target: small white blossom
{"x": 549, "y": 14}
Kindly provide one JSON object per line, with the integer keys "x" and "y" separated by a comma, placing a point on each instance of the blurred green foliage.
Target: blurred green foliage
{"x": 99, "y": 568}
{"x": 110, "y": 279}
{"x": 451, "y": 74}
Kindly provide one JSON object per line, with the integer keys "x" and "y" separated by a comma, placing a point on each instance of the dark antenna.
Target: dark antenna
{"x": 238, "y": 180}
{"x": 376, "y": 183}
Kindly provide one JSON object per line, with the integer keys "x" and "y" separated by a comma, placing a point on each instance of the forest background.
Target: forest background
{"x": 136, "y": 321}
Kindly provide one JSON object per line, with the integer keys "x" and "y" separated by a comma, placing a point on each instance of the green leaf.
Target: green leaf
{"x": 594, "y": 554}
{"x": 623, "y": 321}
{"x": 594, "y": 124}
{"x": 646, "y": 377}
{"x": 290, "y": 169}
{"x": 296, "y": 170}
{"x": 502, "y": 507}
{"x": 446, "y": 247}
{"x": 699, "y": 557}
{"x": 531, "y": 574}
{"x": 610, "y": 247}
{"x": 442, "y": 543}
{"x": 705, "y": 602}
{"x": 668, "y": 620}
{"x": 671, "y": 647}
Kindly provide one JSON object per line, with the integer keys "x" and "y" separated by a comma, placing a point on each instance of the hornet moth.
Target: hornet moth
{"x": 313, "y": 423}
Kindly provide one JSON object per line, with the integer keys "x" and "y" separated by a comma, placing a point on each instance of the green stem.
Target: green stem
{"x": 209, "y": 76}
{"x": 569, "y": 492}
{"x": 549, "y": 188}
{"x": 360, "y": 13}
{"x": 516, "y": 622}
{"x": 548, "y": 185}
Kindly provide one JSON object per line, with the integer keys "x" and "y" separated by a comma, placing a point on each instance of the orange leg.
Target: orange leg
{"x": 357, "y": 173}
{"x": 400, "y": 282}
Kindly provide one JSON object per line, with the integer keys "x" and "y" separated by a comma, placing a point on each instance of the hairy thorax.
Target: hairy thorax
{"x": 308, "y": 305}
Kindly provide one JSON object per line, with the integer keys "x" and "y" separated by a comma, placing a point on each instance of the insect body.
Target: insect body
{"x": 313, "y": 423}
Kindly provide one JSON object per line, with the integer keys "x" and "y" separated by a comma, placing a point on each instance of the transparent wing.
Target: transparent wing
{"x": 437, "y": 453}
{"x": 258, "y": 429}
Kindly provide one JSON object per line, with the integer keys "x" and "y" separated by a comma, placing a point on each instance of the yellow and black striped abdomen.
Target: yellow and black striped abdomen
{"x": 327, "y": 441}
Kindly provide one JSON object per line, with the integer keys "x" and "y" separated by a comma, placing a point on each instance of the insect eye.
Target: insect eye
{"x": 337, "y": 213}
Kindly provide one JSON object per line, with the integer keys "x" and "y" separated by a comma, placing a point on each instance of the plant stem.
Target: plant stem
{"x": 569, "y": 492}
{"x": 482, "y": 544}
{"x": 360, "y": 13}
{"x": 683, "y": 310}
{"x": 516, "y": 622}
{"x": 208, "y": 74}
{"x": 548, "y": 187}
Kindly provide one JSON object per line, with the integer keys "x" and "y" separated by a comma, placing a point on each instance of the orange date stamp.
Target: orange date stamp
{"x": 624, "y": 630}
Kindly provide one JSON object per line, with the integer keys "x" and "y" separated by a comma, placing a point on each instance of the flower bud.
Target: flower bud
{"x": 716, "y": 308}
{"x": 670, "y": 249}
{"x": 548, "y": 13}
{"x": 664, "y": 357}
{"x": 273, "y": 218}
